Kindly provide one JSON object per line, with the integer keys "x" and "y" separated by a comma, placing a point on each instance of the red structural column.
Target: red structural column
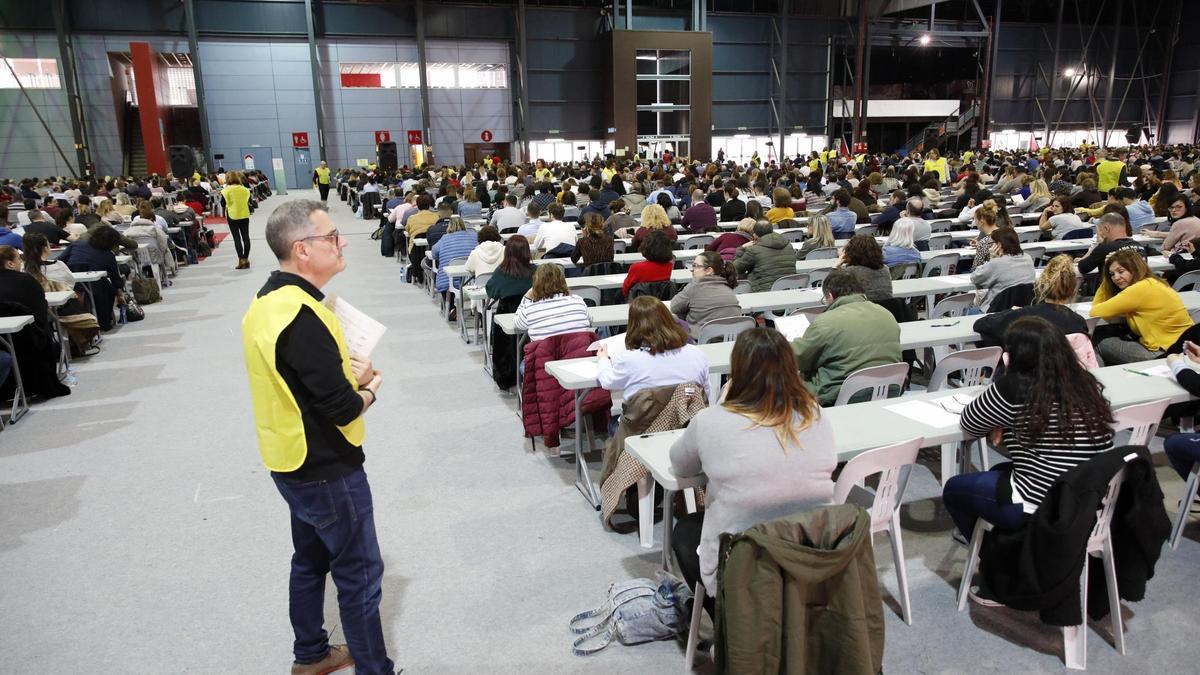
{"x": 150, "y": 78}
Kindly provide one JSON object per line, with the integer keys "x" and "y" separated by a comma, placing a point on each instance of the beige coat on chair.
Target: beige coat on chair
{"x": 649, "y": 411}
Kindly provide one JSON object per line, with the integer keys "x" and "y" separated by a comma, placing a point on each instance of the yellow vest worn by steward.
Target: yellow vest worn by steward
{"x": 938, "y": 167}
{"x": 281, "y": 440}
{"x": 322, "y": 175}
{"x": 1108, "y": 174}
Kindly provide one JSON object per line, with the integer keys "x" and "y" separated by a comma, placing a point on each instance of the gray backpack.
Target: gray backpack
{"x": 637, "y": 611}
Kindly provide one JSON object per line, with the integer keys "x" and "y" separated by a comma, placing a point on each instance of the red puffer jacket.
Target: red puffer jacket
{"x": 545, "y": 406}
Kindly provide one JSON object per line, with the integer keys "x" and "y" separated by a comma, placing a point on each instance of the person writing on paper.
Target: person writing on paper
{"x": 1008, "y": 267}
{"x": 709, "y": 295}
{"x": 1046, "y": 411}
{"x": 1154, "y": 314}
{"x": 766, "y": 449}
{"x": 311, "y": 439}
{"x": 852, "y": 334}
{"x": 656, "y": 353}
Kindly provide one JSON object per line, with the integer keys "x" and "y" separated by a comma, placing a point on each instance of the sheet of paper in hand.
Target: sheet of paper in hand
{"x": 361, "y": 331}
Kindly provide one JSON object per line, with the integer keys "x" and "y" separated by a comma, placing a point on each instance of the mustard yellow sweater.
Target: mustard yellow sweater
{"x": 1153, "y": 310}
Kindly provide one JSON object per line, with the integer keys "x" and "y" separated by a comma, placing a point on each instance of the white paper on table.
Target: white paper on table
{"x": 615, "y": 344}
{"x": 925, "y": 412}
{"x": 792, "y": 327}
{"x": 1083, "y": 308}
{"x": 586, "y": 370}
{"x": 1159, "y": 371}
{"x": 954, "y": 403}
{"x": 951, "y": 279}
{"x": 361, "y": 331}
{"x": 1018, "y": 200}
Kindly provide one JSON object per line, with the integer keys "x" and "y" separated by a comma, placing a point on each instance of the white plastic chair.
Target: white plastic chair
{"x": 697, "y": 242}
{"x": 868, "y": 230}
{"x": 1187, "y": 281}
{"x": 976, "y": 368}
{"x": 1036, "y": 254}
{"x": 939, "y": 242}
{"x": 952, "y": 306}
{"x": 743, "y": 286}
{"x": 1099, "y": 545}
{"x": 971, "y": 364}
{"x": 827, "y": 253}
{"x": 590, "y": 295}
{"x": 790, "y": 282}
{"x": 905, "y": 271}
{"x": 1141, "y": 420}
{"x": 816, "y": 278}
{"x": 940, "y": 265}
{"x": 793, "y": 236}
{"x": 724, "y": 330}
{"x": 619, "y": 246}
{"x": 889, "y": 461}
{"x": 878, "y": 379}
{"x": 1029, "y": 237}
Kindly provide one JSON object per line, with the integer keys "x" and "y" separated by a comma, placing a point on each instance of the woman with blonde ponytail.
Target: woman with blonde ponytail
{"x": 1053, "y": 292}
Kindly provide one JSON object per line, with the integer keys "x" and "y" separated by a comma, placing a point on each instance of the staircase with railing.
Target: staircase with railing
{"x": 936, "y": 133}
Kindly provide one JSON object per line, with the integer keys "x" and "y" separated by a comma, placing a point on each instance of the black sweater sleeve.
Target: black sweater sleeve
{"x": 1189, "y": 380}
{"x": 311, "y": 354}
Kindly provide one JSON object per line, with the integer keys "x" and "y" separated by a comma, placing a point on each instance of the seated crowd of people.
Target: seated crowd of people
{"x": 765, "y": 447}
{"x": 54, "y": 228}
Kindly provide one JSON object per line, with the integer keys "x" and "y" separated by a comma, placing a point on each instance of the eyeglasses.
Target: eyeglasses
{"x": 332, "y": 237}
{"x": 697, "y": 265}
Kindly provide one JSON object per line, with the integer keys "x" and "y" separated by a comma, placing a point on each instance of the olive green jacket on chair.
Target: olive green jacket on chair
{"x": 800, "y": 595}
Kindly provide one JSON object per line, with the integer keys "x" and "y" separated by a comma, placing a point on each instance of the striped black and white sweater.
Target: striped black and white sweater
{"x": 552, "y": 316}
{"x": 1037, "y": 462}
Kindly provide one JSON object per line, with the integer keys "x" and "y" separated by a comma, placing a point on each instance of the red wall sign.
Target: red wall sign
{"x": 414, "y": 137}
{"x": 383, "y": 136}
{"x": 486, "y": 136}
{"x": 299, "y": 139}
{"x": 860, "y": 147}
{"x": 985, "y": 144}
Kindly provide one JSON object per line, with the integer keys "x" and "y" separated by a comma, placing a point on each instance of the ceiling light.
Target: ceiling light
{"x": 924, "y": 40}
{"x": 1069, "y": 72}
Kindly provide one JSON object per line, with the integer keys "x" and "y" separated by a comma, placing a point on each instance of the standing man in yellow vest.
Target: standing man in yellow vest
{"x": 1110, "y": 173}
{"x": 321, "y": 178}
{"x": 309, "y": 398}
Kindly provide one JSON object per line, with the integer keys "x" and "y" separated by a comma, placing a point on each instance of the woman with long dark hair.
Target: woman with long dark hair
{"x": 1047, "y": 411}
{"x": 514, "y": 276}
{"x": 766, "y": 449}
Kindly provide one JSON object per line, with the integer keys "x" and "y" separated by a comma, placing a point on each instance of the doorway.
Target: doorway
{"x": 473, "y": 153}
{"x": 302, "y": 165}
{"x": 256, "y": 158}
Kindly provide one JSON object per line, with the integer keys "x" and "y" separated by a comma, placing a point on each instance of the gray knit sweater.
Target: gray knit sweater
{"x": 705, "y": 299}
{"x": 998, "y": 274}
{"x": 750, "y": 478}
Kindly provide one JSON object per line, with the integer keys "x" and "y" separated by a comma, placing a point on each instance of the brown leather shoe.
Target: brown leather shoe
{"x": 337, "y": 659}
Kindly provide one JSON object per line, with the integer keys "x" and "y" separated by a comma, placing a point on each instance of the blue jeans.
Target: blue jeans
{"x": 333, "y": 532}
{"x": 971, "y": 496}
{"x": 1183, "y": 450}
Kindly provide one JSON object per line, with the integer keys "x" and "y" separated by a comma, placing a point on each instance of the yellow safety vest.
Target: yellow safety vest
{"x": 1108, "y": 173}
{"x": 968, "y": 156}
{"x": 815, "y": 164}
{"x": 281, "y": 440}
{"x": 938, "y": 167}
{"x": 323, "y": 175}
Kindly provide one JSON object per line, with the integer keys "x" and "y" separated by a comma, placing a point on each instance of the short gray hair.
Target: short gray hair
{"x": 288, "y": 223}
{"x": 1113, "y": 220}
